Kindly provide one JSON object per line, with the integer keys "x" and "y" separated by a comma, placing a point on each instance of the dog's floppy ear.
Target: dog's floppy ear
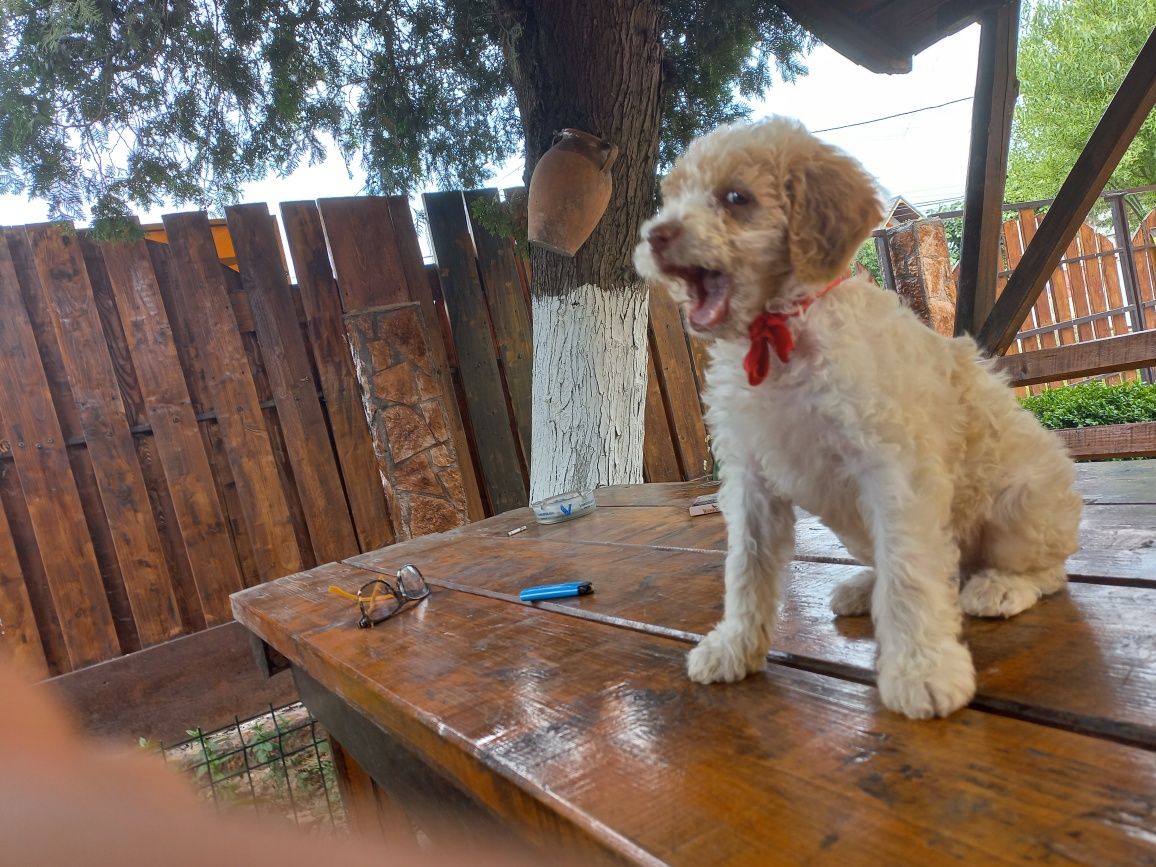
{"x": 834, "y": 206}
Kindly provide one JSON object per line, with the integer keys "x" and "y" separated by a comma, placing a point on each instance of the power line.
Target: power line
{"x": 890, "y": 116}
{"x": 515, "y": 169}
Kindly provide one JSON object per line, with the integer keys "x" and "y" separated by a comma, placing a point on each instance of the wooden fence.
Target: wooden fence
{"x": 180, "y": 421}
{"x": 1104, "y": 286}
{"x": 166, "y": 437}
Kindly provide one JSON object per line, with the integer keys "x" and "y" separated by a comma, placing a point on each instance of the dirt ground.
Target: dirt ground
{"x": 276, "y": 765}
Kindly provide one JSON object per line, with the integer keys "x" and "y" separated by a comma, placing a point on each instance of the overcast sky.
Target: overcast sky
{"x": 922, "y": 156}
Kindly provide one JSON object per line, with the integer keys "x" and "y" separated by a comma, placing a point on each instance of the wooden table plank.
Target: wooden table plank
{"x": 286, "y": 358}
{"x": 1100, "y": 483}
{"x": 602, "y": 727}
{"x": 1118, "y": 543}
{"x": 279, "y": 610}
{"x": 1110, "y": 482}
{"x": 671, "y": 494}
{"x": 54, "y": 508}
{"x": 1099, "y": 636}
{"x": 120, "y": 480}
{"x": 169, "y": 410}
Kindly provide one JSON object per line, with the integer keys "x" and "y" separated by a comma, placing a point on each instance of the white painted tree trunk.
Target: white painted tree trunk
{"x": 589, "y": 391}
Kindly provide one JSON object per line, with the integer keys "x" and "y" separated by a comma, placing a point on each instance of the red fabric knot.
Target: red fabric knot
{"x": 773, "y": 330}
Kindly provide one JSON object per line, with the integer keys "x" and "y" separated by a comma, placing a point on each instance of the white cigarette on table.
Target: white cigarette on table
{"x": 518, "y": 530}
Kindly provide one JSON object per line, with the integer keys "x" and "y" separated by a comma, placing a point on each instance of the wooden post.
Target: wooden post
{"x": 1123, "y": 235}
{"x": 883, "y": 253}
{"x": 995, "y": 96}
{"x": 1122, "y": 119}
{"x": 1131, "y": 279}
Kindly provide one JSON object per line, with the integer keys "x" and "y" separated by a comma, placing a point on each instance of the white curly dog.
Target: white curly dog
{"x": 835, "y": 397}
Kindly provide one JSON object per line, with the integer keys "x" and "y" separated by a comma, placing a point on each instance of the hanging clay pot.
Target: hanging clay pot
{"x": 569, "y": 191}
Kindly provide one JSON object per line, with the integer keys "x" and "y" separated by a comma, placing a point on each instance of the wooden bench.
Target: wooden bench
{"x": 573, "y": 722}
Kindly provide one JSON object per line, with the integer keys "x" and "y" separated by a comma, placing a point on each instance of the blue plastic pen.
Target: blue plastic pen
{"x": 556, "y": 591}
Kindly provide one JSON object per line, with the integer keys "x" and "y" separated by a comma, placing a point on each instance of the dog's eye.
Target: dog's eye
{"x": 734, "y": 197}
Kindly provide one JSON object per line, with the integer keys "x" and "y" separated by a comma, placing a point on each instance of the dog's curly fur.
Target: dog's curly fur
{"x": 902, "y": 441}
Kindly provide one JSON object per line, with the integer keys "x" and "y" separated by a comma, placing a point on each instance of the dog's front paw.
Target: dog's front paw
{"x": 725, "y": 655}
{"x": 927, "y": 681}
{"x": 852, "y": 598}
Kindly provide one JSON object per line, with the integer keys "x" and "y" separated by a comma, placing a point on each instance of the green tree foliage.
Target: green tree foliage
{"x": 1073, "y": 55}
{"x": 106, "y": 105}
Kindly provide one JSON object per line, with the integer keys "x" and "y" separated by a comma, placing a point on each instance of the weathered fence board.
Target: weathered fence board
{"x": 291, "y": 377}
{"x": 180, "y": 449}
{"x": 38, "y": 449}
{"x": 319, "y": 295}
{"x": 358, "y": 231}
{"x": 19, "y": 636}
{"x": 659, "y": 460}
{"x": 202, "y": 305}
{"x": 365, "y": 255}
{"x": 680, "y": 390}
{"x": 1045, "y": 314}
{"x": 1144, "y": 255}
{"x": 506, "y": 486}
{"x": 119, "y": 478}
{"x": 501, "y": 283}
{"x": 421, "y": 290}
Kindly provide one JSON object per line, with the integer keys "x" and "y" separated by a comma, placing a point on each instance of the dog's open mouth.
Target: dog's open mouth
{"x": 710, "y": 296}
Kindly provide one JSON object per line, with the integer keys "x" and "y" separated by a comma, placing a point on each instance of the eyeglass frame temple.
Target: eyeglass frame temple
{"x": 401, "y": 597}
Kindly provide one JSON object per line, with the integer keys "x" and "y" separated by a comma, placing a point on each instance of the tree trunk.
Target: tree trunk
{"x": 589, "y": 384}
{"x": 595, "y": 66}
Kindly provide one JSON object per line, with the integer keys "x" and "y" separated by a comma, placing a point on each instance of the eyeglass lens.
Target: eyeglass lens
{"x": 411, "y": 583}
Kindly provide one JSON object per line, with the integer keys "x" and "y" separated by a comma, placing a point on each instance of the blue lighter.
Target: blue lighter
{"x": 556, "y": 591}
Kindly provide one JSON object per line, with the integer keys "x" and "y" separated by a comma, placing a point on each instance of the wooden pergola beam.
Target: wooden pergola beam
{"x": 918, "y": 26}
{"x": 1122, "y": 119}
{"x": 996, "y": 88}
{"x": 850, "y": 35}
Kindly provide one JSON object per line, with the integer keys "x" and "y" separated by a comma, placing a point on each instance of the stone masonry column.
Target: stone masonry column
{"x": 922, "y": 268}
{"x": 407, "y": 417}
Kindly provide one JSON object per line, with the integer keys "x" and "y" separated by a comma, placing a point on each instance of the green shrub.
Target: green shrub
{"x": 1092, "y": 403}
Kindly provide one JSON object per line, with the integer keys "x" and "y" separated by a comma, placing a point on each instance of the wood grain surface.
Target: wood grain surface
{"x": 573, "y": 720}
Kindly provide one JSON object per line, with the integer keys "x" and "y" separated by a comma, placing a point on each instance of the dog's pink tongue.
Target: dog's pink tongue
{"x": 712, "y": 306}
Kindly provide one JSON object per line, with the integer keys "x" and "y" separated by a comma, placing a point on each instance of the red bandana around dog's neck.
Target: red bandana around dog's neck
{"x": 772, "y": 329}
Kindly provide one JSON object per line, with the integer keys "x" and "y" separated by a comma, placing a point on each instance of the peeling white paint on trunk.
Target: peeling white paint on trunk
{"x": 589, "y": 391}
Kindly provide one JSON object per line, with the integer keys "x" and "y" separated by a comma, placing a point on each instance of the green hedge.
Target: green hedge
{"x": 1092, "y": 403}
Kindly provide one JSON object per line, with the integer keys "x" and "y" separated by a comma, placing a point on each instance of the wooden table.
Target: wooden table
{"x": 573, "y": 721}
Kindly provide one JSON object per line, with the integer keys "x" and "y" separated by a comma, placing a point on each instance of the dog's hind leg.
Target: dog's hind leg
{"x": 760, "y": 543}
{"x": 852, "y": 596}
{"x": 994, "y": 593}
{"x": 1030, "y": 534}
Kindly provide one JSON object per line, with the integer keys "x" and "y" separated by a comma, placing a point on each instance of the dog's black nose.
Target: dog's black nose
{"x": 660, "y": 237}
